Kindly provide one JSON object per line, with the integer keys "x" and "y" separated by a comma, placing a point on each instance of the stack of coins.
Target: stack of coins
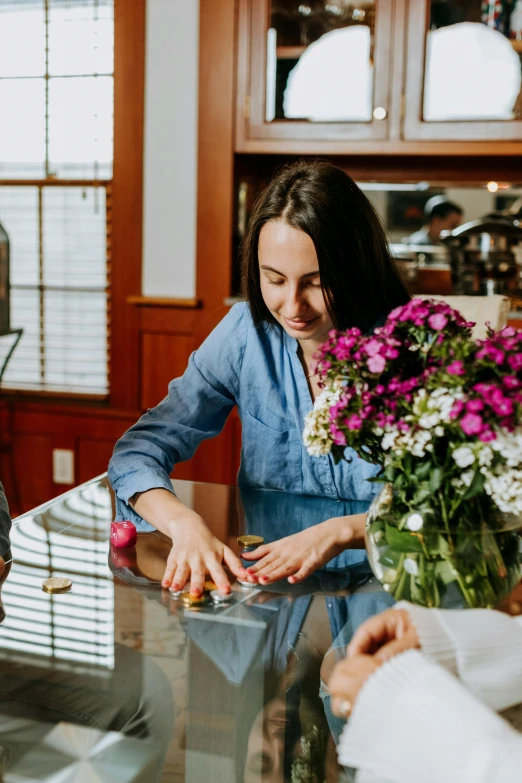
{"x": 248, "y": 544}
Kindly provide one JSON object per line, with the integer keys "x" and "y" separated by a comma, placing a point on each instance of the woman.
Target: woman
{"x": 314, "y": 257}
{"x": 412, "y": 719}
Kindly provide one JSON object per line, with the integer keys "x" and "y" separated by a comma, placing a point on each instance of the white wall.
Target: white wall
{"x": 170, "y": 158}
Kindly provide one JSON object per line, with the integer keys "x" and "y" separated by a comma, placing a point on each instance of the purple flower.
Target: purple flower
{"x": 455, "y": 368}
{"x": 471, "y": 424}
{"x": 437, "y": 321}
{"x": 376, "y": 363}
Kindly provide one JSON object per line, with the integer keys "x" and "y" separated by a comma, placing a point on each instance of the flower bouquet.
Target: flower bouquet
{"x": 441, "y": 413}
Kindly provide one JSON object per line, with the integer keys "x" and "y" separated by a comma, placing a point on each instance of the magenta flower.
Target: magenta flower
{"x": 372, "y": 347}
{"x": 353, "y": 422}
{"x": 455, "y": 368}
{"x": 458, "y": 407}
{"x": 376, "y": 363}
{"x": 471, "y": 424}
{"x": 339, "y": 438}
{"x": 437, "y": 321}
{"x": 474, "y": 406}
{"x": 486, "y": 436}
{"x": 510, "y": 382}
{"x": 515, "y": 361}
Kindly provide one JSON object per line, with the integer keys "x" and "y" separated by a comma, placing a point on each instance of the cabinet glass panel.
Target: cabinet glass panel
{"x": 320, "y": 61}
{"x": 473, "y": 68}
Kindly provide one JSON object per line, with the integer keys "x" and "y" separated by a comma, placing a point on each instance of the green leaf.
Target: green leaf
{"x": 476, "y": 486}
{"x": 436, "y": 477}
{"x": 401, "y": 540}
{"x": 445, "y": 572}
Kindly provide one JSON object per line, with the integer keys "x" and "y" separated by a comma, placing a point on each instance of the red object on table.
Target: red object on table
{"x": 123, "y": 534}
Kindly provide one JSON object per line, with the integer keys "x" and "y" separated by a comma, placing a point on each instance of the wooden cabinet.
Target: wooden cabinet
{"x": 376, "y": 76}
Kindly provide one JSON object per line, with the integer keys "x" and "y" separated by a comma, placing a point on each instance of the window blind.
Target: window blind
{"x": 70, "y": 630}
{"x": 56, "y": 139}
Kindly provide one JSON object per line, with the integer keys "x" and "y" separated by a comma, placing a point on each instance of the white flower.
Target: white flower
{"x": 411, "y": 566}
{"x": 389, "y": 440}
{"x": 439, "y": 431}
{"x": 463, "y": 456}
{"x": 414, "y": 522}
{"x": 467, "y": 477}
{"x": 316, "y": 433}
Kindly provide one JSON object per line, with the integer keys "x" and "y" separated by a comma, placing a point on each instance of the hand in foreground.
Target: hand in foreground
{"x": 384, "y": 635}
{"x": 196, "y": 552}
{"x": 296, "y": 557}
{"x": 347, "y": 679}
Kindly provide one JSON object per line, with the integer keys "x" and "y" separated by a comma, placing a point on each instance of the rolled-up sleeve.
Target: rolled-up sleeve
{"x": 195, "y": 408}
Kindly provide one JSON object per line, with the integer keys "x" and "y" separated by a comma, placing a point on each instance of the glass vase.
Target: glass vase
{"x": 470, "y": 560}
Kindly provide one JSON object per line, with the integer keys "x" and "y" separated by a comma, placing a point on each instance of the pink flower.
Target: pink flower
{"x": 487, "y": 436}
{"x": 508, "y": 331}
{"x": 510, "y": 382}
{"x": 458, "y": 407}
{"x": 339, "y": 438}
{"x": 390, "y": 353}
{"x": 474, "y": 406}
{"x": 353, "y": 422}
{"x": 437, "y": 321}
{"x": 376, "y": 363}
{"x": 455, "y": 368}
{"x": 502, "y": 407}
{"x": 471, "y": 424}
{"x": 372, "y": 347}
{"x": 515, "y": 361}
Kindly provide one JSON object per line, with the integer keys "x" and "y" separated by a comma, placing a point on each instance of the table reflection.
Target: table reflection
{"x": 228, "y": 692}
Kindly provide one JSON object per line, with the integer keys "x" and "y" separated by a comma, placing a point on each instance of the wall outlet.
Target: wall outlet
{"x": 63, "y": 466}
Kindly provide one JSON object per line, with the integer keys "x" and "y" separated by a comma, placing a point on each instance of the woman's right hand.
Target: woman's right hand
{"x": 195, "y": 553}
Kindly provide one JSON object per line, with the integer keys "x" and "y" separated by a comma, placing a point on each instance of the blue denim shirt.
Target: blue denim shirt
{"x": 258, "y": 370}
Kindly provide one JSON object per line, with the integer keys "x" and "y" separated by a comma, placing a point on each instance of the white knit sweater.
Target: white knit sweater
{"x": 414, "y": 722}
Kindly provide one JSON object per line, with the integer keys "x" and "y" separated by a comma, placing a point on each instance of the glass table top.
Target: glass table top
{"x": 227, "y": 692}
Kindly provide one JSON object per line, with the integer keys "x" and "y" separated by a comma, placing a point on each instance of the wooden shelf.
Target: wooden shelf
{"x": 159, "y": 301}
{"x": 517, "y": 46}
{"x": 295, "y": 52}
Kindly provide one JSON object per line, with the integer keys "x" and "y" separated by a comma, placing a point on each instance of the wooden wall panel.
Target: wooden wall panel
{"x": 92, "y": 458}
{"x": 32, "y": 467}
{"x": 163, "y": 357}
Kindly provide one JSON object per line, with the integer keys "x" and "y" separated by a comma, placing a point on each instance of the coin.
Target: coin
{"x": 250, "y": 540}
{"x": 219, "y": 598}
{"x": 209, "y": 586}
{"x": 56, "y": 584}
{"x": 192, "y": 600}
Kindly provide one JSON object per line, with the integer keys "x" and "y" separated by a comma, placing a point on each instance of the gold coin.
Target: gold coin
{"x": 56, "y": 584}
{"x": 209, "y": 586}
{"x": 250, "y": 540}
{"x": 192, "y": 600}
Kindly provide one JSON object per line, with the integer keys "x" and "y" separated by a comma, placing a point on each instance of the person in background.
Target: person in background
{"x": 5, "y": 528}
{"x": 314, "y": 257}
{"x": 440, "y": 214}
{"x": 411, "y": 719}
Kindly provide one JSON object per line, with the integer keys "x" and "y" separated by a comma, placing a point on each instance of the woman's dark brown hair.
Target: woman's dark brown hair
{"x": 359, "y": 278}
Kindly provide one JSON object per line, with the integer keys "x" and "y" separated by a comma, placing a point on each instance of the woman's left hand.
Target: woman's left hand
{"x": 296, "y": 557}
{"x": 347, "y": 679}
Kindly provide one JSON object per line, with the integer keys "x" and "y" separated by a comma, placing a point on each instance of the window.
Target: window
{"x": 56, "y": 139}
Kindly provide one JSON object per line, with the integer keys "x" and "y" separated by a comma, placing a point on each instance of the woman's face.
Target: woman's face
{"x": 290, "y": 283}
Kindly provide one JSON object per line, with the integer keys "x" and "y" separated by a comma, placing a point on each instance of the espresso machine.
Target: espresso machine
{"x": 485, "y": 257}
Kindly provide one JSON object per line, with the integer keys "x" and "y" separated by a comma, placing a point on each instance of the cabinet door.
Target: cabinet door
{"x": 314, "y": 70}
{"x": 463, "y": 71}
